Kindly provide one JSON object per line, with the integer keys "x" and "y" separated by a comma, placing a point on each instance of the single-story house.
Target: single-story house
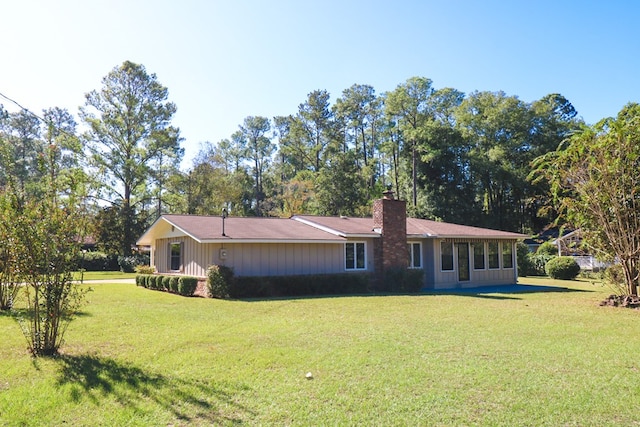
{"x": 451, "y": 256}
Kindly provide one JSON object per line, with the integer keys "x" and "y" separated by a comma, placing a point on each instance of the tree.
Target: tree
{"x": 258, "y": 150}
{"x": 409, "y": 107}
{"x": 595, "y": 178}
{"x": 129, "y": 129}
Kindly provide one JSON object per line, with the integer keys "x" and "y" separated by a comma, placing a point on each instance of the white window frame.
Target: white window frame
{"x": 453, "y": 260}
{"x": 181, "y": 245}
{"x": 502, "y": 254}
{"x": 411, "y": 254}
{"x": 484, "y": 256}
{"x": 499, "y": 252}
{"x": 354, "y": 245}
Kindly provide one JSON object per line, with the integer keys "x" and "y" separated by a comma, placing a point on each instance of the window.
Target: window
{"x": 494, "y": 261}
{"x": 354, "y": 255}
{"x": 175, "y": 256}
{"x": 415, "y": 255}
{"x": 446, "y": 254}
{"x": 507, "y": 255}
{"x": 478, "y": 256}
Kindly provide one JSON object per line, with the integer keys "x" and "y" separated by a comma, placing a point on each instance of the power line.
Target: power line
{"x": 26, "y": 110}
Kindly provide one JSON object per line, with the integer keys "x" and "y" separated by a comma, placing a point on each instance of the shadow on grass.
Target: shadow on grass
{"x": 502, "y": 292}
{"x": 199, "y": 401}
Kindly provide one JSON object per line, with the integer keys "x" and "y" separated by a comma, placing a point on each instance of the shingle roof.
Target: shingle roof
{"x": 346, "y": 226}
{"x": 304, "y": 228}
{"x": 209, "y": 228}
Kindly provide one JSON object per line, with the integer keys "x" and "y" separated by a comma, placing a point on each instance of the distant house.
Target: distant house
{"x": 451, "y": 256}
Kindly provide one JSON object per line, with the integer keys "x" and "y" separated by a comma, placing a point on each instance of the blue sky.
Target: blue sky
{"x": 225, "y": 60}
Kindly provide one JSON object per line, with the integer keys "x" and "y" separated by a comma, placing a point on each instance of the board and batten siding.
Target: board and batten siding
{"x": 253, "y": 259}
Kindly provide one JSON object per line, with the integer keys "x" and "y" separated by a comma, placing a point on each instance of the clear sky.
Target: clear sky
{"x": 225, "y": 60}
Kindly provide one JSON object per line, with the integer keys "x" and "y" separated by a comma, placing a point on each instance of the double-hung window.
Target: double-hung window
{"x": 415, "y": 255}
{"x": 446, "y": 256}
{"x": 478, "y": 256}
{"x": 355, "y": 256}
{"x": 494, "y": 255}
{"x": 507, "y": 255}
{"x": 175, "y": 256}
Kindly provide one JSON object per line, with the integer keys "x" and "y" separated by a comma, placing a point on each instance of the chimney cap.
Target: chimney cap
{"x": 388, "y": 193}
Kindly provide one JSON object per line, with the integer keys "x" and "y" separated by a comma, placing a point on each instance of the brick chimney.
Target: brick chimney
{"x": 390, "y": 218}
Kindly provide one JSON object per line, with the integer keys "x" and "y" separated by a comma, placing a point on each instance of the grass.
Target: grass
{"x": 102, "y": 275}
{"x": 142, "y": 357}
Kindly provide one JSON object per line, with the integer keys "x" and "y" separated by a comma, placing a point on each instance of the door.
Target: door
{"x": 463, "y": 261}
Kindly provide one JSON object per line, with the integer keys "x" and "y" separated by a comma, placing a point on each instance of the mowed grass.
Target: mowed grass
{"x": 102, "y": 275}
{"x": 142, "y": 357}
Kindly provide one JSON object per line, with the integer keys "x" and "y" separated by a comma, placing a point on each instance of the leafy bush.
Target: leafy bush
{"x": 128, "y": 264}
{"x": 96, "y": 261}
{"x": 614, "y": 277}
{"x": 145, "y": 269}
{"x": 402, "y": 280}
{"x": 288, "y": 286}
{"x": 165, "y": 283}
{"x": 187, "y": 285}
{"x": 563, "y": 268}
{"x": 173, "y": 284}
{"x": 219, "y": 281}
{"x": 155, "y": 282}
{"x": 141, "y": 280}
{"x": 525, "y": 264}
{"x": 547, "y": 248}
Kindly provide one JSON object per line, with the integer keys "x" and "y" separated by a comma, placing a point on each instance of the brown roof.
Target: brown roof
{"x": 303, "y": 228}
{"x": 346, "y": 226}
{"x": 209, "y": 228}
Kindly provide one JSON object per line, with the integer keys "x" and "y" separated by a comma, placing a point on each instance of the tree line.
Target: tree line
{"x": 456, "y": 157}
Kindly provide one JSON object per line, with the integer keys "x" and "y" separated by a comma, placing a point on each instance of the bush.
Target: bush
{"x": 128, "y": 264}
{"x": 547, "y": 248}
{"x": 403, "y": 280}
{"x": 563, "y": 268}
{"x": 291, "y": 286}
{"x": 145, "y": 269}
{"x": 141, "y": 280}
{"x": 173, "y": 284}
{"x": 155, "y": 282}
{"x": 96, "y": 261}
{"x": 523, "y": 256}
{"x": 187, "y": 285}
{"x": 165, "y": 283}
{"x": 219, "y": 281}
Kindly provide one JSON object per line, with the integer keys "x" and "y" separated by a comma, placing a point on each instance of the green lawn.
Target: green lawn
{"x": 142, "y": 357}
{"x": 102, "y": 275}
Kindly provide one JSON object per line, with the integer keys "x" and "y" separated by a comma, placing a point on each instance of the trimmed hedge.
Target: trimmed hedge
{"x": 307, "y": 285}
{"x": 187, "y": 285}
{"x": 173, "y": 284}
{"x": 219, "y": 281}
{"x": 183, "y": 285}
{"x": 563, "y": 268}
{"x": 402, "y": 280}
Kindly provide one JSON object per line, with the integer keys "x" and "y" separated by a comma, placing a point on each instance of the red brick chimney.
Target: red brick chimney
{"x": 390, "y": 218}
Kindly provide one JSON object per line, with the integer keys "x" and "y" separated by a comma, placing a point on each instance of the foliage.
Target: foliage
{"x": 288, "y": 286}
{"x": 547, "y": 248}
{"x": 128, "y": 264}
{"x": 129, "y": 121}
{"x": 174, "y": 281}
{"x": 141, "y": 279}
{"x": 595, "y": 178}
{"x": 187, "y": 285}
{"x": 523, "y": 255}
{"x": 219, "y": 281}
{"x": 46, "y": 242}
{"x": 402, "y": 280}
{"x": 145, "y": 269}
{"x": 562, "y": 268}
{"x": 614, "y": 277}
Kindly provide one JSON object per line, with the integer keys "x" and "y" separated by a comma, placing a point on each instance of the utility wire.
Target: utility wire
{"x": 26, "y": 110}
